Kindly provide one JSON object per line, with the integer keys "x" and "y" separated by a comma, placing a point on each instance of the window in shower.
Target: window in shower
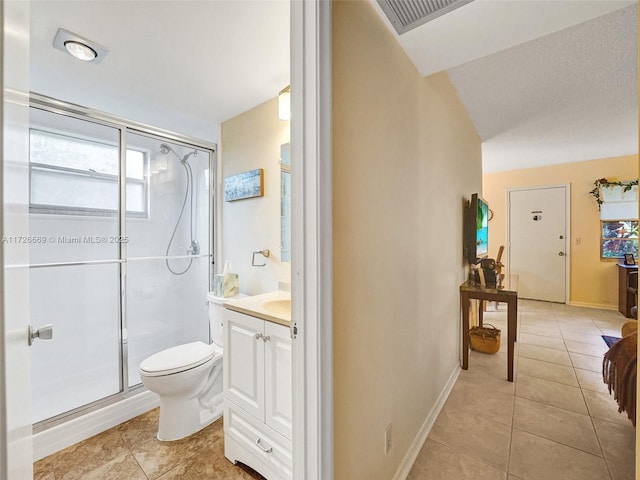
{"x": 74, "y": 175}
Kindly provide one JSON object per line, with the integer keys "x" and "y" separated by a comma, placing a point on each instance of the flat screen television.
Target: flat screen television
{"x": 476, "y": 230}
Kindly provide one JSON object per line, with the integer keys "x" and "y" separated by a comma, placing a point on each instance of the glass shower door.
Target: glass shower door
{"x": 74, "y": 262}
{"x": 167, "y": 250}
{"x": 118, "y": 286}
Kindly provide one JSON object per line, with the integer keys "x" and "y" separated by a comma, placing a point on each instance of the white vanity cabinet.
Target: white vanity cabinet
{"x": 257, "y": 391}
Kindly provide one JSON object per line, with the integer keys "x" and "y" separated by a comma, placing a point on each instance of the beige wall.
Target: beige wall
{"x": 249, "y": 141}
{"x": 594, "y": 282}
{"x": 405, "y": 155}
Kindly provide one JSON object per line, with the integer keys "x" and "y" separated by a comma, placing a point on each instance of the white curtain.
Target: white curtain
{"x": 618, "y": 204}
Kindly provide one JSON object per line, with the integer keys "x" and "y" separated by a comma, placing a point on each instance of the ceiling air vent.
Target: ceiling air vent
{"x": 406, "y": 15}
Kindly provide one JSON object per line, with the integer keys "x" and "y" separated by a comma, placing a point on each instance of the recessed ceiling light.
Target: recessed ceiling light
{"x": 79, "y": 47}
{"x": 80, "y": 50}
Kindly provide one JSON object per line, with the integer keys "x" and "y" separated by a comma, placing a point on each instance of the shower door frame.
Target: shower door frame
{"x": 124, "y": 126}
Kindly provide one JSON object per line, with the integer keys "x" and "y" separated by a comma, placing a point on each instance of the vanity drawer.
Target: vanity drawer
{"x": 266, "y": 445}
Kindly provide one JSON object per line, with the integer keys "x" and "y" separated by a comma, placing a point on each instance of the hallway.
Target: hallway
{"x": 557, "y": 421}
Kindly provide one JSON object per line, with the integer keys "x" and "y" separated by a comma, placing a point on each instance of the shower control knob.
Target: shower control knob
{"x": 44, "y": 333}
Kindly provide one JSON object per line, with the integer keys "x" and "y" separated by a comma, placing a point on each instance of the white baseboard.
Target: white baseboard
{"x": 601, "y": 306}
{"x": 411, "y": 455}
{"x": 66, "y": 434}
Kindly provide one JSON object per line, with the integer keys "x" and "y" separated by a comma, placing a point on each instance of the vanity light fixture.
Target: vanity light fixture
{"x": 79, "y": 47}
{"x": 284, "y": 103}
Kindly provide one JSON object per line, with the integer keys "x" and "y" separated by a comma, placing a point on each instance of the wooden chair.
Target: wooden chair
{"x": 632, "y": 287}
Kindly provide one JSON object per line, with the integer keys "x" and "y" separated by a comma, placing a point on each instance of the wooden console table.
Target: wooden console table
{"x": 509, "y": 295}
{"x": 626, "y": 299}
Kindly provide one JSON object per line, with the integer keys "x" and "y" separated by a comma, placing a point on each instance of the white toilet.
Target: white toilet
{"x": 188, "y": 379}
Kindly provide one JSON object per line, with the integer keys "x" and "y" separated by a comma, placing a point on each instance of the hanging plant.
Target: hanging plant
{"x": 603, "y": 182}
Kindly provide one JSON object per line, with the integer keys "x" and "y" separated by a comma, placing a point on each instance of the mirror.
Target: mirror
{"x": 285, "y": 202}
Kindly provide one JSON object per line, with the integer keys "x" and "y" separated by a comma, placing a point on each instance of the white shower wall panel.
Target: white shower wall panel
{"x": 73, "y": 238}
{"x": 149, "y": 237}
{"x": 81, "y": 364}
{"x": 164, "y": 310}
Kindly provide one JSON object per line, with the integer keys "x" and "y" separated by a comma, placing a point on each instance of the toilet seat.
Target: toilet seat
{"x": 178, "y": 359}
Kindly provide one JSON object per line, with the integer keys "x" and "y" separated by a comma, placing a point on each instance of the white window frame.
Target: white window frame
{"x": 51, "y": 209}
{"x": 603, "y": 239}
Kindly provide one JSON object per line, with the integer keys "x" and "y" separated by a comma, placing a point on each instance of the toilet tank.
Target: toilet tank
{"x": 215, "y": 316}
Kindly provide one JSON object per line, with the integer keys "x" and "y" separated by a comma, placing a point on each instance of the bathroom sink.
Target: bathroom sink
{"x": 277, "y": 306}
{"x": 272, "y": 306}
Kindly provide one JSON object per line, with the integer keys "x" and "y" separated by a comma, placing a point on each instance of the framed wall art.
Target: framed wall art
{"x": 244, "y": 185}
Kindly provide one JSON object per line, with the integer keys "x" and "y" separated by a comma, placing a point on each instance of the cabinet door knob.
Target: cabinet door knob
{"x": 266, "y": 338}
{"x": 263, "y": 448}
{"x": 258, "y": 336}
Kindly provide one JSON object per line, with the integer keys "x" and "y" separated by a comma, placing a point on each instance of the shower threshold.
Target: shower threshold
{"x": 85, "y": 409}
{"x": 62, "y": 431}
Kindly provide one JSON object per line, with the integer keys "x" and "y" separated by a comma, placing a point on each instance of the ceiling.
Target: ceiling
{"x": 553, "y": 82}
{"x": 181, "y": 65}
{"x": 544, "y": 81}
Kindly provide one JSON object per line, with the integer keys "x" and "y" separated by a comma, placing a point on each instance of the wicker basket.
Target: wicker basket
{"x": 485, "y": 339}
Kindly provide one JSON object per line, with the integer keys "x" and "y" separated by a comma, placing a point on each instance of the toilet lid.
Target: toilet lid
{"x": 177, "y": 359}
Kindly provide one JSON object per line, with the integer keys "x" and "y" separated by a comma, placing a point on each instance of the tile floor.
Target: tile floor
{"x": 556, "y": 421}
{"x": 131, "y": 452}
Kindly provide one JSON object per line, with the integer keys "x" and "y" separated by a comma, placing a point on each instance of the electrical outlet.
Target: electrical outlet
{"x": 387, "y": 439}
{"x": 578, "y": 241}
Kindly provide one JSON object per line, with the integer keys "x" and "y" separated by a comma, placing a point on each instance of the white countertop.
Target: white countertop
{"x": 262, "y": 306}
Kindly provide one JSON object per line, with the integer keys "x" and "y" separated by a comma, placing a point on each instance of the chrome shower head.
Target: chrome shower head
{"x": 164, "y": 149}
{"x": 186, "y": 157}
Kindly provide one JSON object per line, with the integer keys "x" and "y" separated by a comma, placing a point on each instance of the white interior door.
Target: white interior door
{"x": 538, "y": 242}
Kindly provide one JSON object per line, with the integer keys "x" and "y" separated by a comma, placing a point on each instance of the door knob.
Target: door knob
{"x": 44, "y": 333}
{"x": 561, "y": 254}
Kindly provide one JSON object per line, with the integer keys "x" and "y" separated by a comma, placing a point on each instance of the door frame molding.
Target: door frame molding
{"x": 567, "y": 240}
{"x": 311, "y": 240}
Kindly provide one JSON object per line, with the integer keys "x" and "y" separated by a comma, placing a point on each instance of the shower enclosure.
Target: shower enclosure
{"x": 120, "y": 252}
